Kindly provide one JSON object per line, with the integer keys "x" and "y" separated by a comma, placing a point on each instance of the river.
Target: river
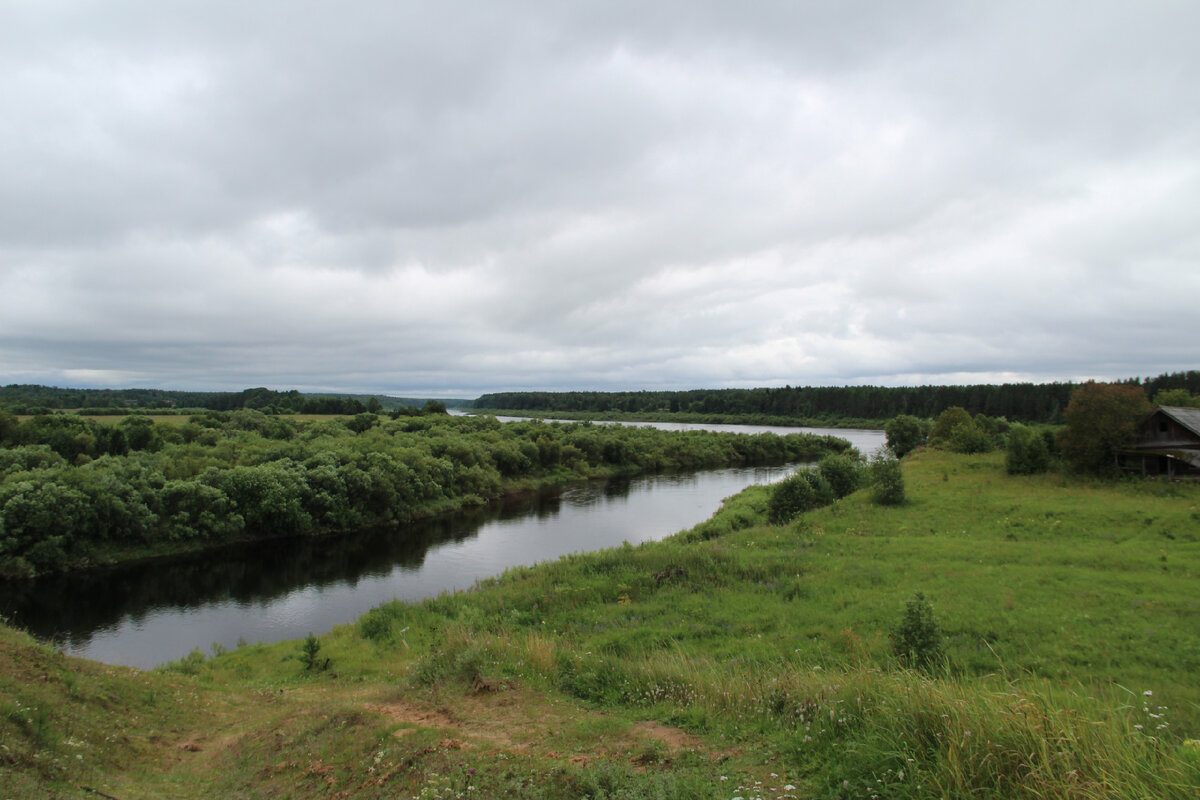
{"x": 146, "y": 614}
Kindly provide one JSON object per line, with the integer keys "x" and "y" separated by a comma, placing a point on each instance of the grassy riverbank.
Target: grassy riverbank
{"x": 734, "y": 659}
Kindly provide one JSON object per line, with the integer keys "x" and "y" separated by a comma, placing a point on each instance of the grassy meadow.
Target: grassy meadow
{"x": 735, "y": 659}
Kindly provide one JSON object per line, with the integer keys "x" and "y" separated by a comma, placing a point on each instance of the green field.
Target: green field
{"x": 736, "y": 659}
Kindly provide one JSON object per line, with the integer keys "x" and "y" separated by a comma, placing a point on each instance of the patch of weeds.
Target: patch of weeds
{"x": 651, "y": 751}
{"x": 191, "y": 664}
{"x": 34, "y": 722}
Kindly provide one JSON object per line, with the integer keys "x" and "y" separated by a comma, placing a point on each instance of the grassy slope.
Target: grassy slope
{"x": 734, "y": 650}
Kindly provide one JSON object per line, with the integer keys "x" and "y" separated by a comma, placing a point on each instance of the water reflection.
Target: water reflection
{"x": 69, "y": 609}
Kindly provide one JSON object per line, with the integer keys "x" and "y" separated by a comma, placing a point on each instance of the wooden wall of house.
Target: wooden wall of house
{"x": 1160, "y": 430}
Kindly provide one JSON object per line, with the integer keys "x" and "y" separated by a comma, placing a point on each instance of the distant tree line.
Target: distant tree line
{"x": 33, "y": 399}
{"x": 1025, "y": 402}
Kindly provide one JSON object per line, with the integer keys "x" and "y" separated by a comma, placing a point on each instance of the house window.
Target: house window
{"x": 1163, "y": 427}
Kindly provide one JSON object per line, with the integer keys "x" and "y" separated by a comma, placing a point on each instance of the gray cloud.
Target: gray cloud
{"x": 462, "y": 197}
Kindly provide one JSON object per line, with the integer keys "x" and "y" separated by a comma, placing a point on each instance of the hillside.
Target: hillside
{"x": 734, "y": 659}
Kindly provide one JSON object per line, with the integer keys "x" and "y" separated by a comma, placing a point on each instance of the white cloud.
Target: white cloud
{"x": 400, "y": 196}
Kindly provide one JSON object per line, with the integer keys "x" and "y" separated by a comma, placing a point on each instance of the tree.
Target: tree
{"x": 917, "y": 640}
{"x": 1177, "y": 397}
{"x": 887, "y": 481}
{"x": 844, "y": 473}
{"x": 1026, "y": 453}
{"x": 905, "y": 433}
{"x": 309, "y": 655}
{"x": 1102, "y": 418}
{"x": 360, "y": 423}
{"x": 946, "y": 423}
{"x": 140, "y": 433}
{"x": 971, "y": 438}
{"x": 8, "y": 425}
{"x": 796, "y": 494}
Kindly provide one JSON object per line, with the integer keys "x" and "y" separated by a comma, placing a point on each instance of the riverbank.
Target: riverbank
{"x": 75, "y": 492}
{"x": 687, "y": 418}
{"x": 735, "y": 658}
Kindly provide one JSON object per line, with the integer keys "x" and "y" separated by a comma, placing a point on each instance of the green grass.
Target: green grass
{"x": 734, "y": 659}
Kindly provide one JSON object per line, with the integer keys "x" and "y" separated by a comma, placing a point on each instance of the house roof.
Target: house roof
{"x": 1187, "y": 417}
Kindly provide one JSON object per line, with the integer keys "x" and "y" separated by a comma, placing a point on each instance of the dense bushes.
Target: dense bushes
{"x": 905, "y": 433}
{"x": 72, "y": 489}
{"x": 887, "y": 481}
{"x": 796, "y": 494}
{"x": 956, "y": 430}
{"x": 1027, "y": 452}
{"x": 835, "y": 477}
{"x": 843, "y": 472}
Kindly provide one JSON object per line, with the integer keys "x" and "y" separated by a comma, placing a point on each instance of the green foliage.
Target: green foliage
{"x": 946, "y": 423}
{"x": 39, "y": 522}
{"x": 806, "y": 490}
{"x": 434, "y": 407}
{"x": 1179, "y": 398}
{"x": 887, "y": 481}
{"x": 1026, "y": 452}
{"x": 814, "y": 405}
{"x": 1102, "y": 418}
{"x": 843, "y": 473}
{"x": 767, "y": 646}
{"x": 992, "y": 426}
{"x": 905, "y": 433}
{"x": 140, "y": 433}
{"x": 957, "y": 430}
{"x": 8, "y": 425}
{"x": 73, "y": 489}
{"x": 970, "y": 438}
{"x": 363, "y": 422}
{"x": 310, "y": 650}
{"x": 917, "y": 639}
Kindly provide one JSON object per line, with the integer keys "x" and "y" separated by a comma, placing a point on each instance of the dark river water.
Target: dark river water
{"x": 147, "y": 614}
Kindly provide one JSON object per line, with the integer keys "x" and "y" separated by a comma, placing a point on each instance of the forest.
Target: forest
{"x": 801, "y": 405}
{"x": 36, "y": 399}
{"x": 76, "y": 491}
{"x": 1018, "y": 402}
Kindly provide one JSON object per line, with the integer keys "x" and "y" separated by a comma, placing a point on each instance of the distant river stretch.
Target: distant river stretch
{"x": 144, "y": 615}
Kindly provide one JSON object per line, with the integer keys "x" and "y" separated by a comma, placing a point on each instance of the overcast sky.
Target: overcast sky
{"x": 444, "y": 198}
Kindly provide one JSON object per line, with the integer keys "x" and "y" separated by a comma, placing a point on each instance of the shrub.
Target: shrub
{"x": 1026, "y": 453}
{"x": 844, "y": 473}
{"x": 970, "y": 438}
{"x": 363, "y": 422}
{"x": 823, "y": 492}
{"x": 310, "y": 655}
{"x": 947, "y": 421}
{"x": 887, "y": 481}
{"x": 801, "y": 492}
{"x": 905, "y": 433}
{"x": 917, "y": 640}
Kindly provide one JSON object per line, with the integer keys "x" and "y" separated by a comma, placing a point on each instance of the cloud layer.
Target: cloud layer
{"x": 460, "y": 197}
